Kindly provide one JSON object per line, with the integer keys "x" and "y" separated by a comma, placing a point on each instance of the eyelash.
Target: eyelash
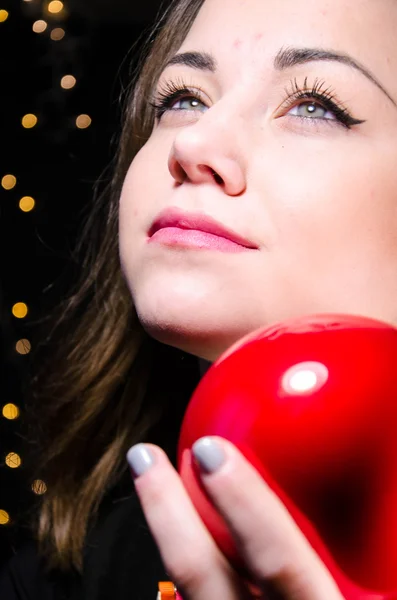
{"x": 177, "y": 90}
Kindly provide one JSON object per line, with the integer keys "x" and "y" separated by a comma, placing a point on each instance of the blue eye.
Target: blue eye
{"x": 190, "y": 100}
{"x": 311, "y": 110}
{"x": 316, "y": 97}
{"x": 172, "y": 94}
{"x": 315, "y": 100}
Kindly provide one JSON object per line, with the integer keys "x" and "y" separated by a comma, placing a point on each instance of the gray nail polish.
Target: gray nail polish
{"x": 140, "y": 459}
{"x": 209, "y": 454}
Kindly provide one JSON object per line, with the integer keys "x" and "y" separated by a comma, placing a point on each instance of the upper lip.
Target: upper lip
{"x": 175, "y": 217}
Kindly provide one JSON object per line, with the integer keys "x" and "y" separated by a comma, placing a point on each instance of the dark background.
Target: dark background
{"x": 58, "y": 165}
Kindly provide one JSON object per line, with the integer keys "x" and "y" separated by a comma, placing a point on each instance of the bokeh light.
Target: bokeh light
{"x": 68, "y": 82}
{"x": 29, "y": 121}
{"x": 8, "y": 182}
{"x": 4, "y": 517}
{"x": 10, "y": 411}
{"x": 39, "y": 487}
{"x": 20, "y": 310}
{"x": 3, "y": 15}
{"x": 23, "y": 346}
{"x": 57, "y": 34}
{"x": 83, "y": 121}
{"x": 13, "y": 460}
{"x": 39, "y": 26}
{"x": 27, "y": 203}
{"x": 55, "y": 7}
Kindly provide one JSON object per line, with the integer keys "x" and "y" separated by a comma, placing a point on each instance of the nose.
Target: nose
{"x": 205, "y": 152}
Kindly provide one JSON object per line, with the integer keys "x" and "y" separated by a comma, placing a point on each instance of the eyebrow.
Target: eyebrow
{"x": 286, "y": 58}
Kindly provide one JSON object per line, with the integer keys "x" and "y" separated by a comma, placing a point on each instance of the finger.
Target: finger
{"x": 189, "y": 553}
{"x": 272, "y": 545}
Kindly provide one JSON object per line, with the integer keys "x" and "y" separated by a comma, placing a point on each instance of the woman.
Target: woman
{"x": 276, "y": 120}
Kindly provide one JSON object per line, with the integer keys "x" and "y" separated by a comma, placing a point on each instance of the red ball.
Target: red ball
{"x": 312, "y": 403}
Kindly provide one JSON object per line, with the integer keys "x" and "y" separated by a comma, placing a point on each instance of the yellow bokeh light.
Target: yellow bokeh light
{"x": 83, "y": 121}
{"x": 10, "y": 411}
{"x": 57, "y": 34}
{"x": 27, "y": 203}
{"x": 20, "y": 310}
{"x": 13, "y": 460}
{"x": 23, "y": 346}
{"x": 55, "y": 7}
{"x": 68, "y": 81}
{"x": 3, "y": 15}
{"x": 8, "y": 182}
{"x": 29, "y": 121}
{"x": 4, "y": 517}
{"x": 39, "y": 487}
{"x": 39, "y": 26}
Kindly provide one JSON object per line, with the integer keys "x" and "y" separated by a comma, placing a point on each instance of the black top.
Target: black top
{"x": 121, "y": 560}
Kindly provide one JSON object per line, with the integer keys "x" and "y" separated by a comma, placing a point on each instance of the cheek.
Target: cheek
{"x": 336, "y": 197}
{"x": 130, "y": 216}
{"x": 145, "y": 182}
{"x": 144, "y": 194}
{"x": 134, "y": 188}
{"x": 135, "y": 200}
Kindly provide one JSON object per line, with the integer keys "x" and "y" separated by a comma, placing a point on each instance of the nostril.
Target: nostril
{"x": 217, "y": 178}
{"x": 206, "y": 169}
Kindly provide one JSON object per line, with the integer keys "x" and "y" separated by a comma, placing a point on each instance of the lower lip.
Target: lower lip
{"x": 193, "y": 238}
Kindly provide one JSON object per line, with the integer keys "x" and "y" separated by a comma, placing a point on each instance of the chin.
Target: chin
{"x": 209, "y": 351}
{"x": 191, "y": 340}
{"x": 206, "y": 336}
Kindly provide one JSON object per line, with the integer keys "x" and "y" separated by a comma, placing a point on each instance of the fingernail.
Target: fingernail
{"x": 209, "y": 454}
{"x": 140, "y": 459}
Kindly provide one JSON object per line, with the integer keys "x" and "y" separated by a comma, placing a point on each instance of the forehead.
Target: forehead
{"x": 252, "y": 31}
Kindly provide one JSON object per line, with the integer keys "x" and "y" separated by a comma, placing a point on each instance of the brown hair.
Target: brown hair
{"x": 96, "y": 392}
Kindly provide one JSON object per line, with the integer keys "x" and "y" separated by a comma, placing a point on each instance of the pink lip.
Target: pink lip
{"x": 196, "y": 222}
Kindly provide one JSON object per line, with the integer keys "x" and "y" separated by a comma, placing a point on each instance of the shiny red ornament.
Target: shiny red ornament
{"x": 312, "y": 403}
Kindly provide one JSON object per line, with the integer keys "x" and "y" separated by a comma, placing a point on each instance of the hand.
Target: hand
{"x": 282, "y": 563}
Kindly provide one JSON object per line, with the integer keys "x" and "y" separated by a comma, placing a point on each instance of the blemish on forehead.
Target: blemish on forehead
{"x": 238, "y": 41}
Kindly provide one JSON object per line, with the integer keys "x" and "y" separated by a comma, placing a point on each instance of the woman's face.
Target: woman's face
{"x": 300, "y": 176}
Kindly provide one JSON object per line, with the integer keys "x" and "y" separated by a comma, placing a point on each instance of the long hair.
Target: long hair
{"x": 96, "y": 393}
